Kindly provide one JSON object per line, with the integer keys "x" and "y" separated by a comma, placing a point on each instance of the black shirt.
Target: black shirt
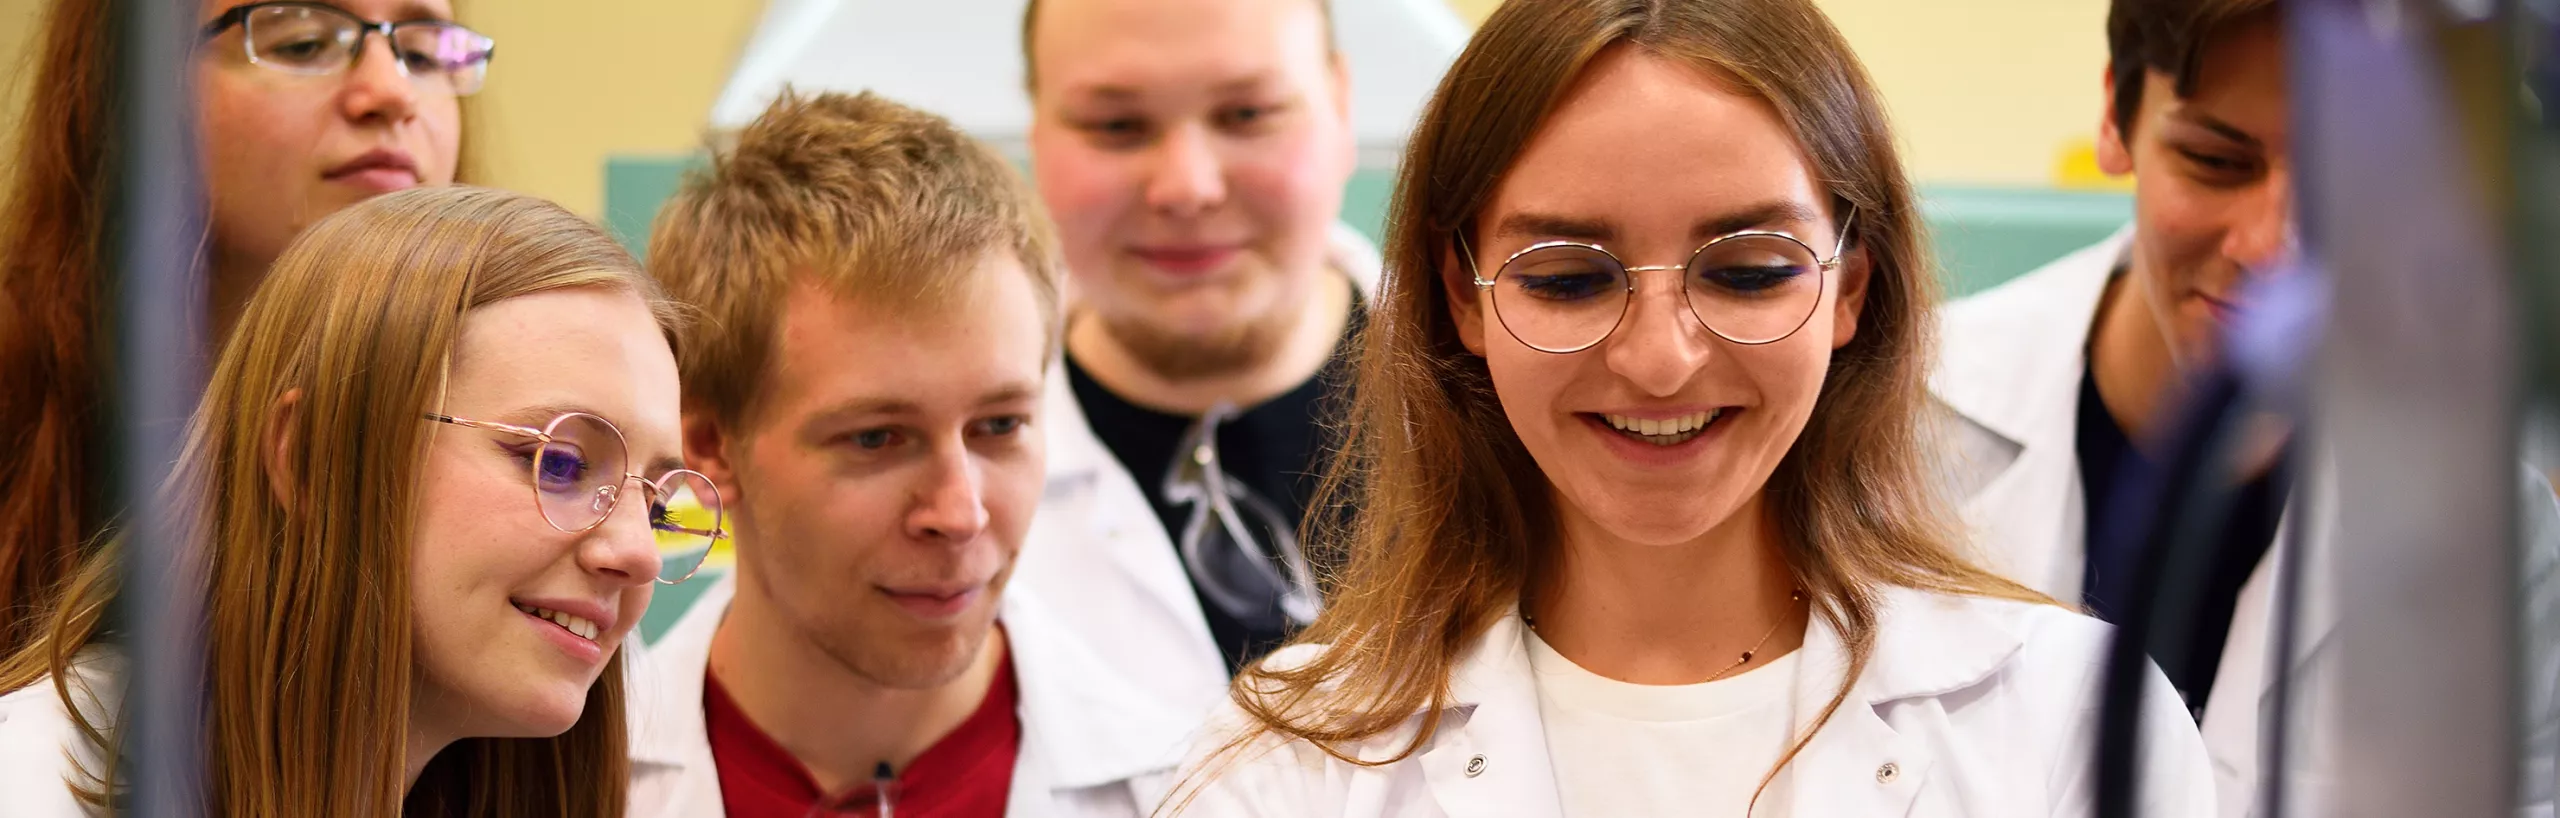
{"x": 1276, "y": 449}
{"x": 2108, "y": 464}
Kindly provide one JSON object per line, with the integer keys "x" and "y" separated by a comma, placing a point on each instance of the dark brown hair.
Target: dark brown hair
{"x": 51, "y": 376}
{"x": 1449, "y": 517}
{"x": 2167, "y": 36}
{"x": 872, "y": 198}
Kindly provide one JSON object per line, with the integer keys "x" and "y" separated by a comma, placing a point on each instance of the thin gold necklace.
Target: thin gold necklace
{"x": 1793, "y": 596}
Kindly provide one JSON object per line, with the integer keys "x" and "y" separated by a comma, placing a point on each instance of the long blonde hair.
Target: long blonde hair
{"x": 1448, "y": 517}
{"x": 308, "y": 658}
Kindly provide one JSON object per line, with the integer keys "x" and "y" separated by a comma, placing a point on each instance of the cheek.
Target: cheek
{"x": 1529, "y": 383}
{"x": 1086, "y": 190}
{"x": 441, "y": 118}
{"x": 1288, "y": 182}
{"x": 2179, "y": 226}
{"x": 477, "y": 533}
{"x": 254, "y": 130}
{"x": 1012, "y": 494}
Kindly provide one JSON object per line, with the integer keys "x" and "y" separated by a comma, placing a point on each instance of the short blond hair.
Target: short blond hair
{"x": 871, "y": 199}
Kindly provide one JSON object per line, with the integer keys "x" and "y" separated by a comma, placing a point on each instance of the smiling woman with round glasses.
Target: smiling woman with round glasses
{"x": 407, "y": 479}
{"x": 301, "y": 109}
{"x": 1639, "y": 516}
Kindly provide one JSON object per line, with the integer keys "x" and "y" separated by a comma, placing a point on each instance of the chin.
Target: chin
{"x": 547, "y": 711}
{"x": 912, "y": 657}
{"x": 1628, "y": 517}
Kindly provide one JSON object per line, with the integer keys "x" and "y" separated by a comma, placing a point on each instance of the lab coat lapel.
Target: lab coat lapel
{"x": 1111, "y": 514}
{"x": 1493, "y": 763}
{"x": 1084, "y": 724}
{"x": 1858, "y": 763}
{"x": 672, "y": 772}
{"x": 2009, "y": 374}
{"x": 1097, "y": 549}
{"x": 2245, "y": 687}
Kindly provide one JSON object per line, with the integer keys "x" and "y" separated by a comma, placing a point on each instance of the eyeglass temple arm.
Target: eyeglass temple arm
{"x": 536, "y": 434}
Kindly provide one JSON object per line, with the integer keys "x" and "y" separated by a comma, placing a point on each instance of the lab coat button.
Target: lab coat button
{"x": 1887, "y": 773}
{"x": 1475, "y": 766}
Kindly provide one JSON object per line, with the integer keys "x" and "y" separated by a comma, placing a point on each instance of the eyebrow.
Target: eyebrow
{"x": 1016, "y": 392}
{"x": 1773, "y": 213}
{"x": 1120, "y": 93}
{"x": 2224, "y": 129}
{"x": 416, "y": 11}
{"x": 533, "y": 417}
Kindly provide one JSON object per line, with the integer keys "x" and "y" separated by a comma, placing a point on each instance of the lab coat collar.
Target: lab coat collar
{"x": 1926, "y": 645}
{"x": 1084, "y": 720}
{"x": 1493, "y": 725}
{"x": 675, "y": 735}
{"x": 2009, "y": 354}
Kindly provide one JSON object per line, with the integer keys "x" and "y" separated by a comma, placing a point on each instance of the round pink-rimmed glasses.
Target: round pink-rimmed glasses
{"x": 578, "y": 464}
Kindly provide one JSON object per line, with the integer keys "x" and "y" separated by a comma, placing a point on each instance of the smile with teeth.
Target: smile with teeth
{"x": 1664, "y": 432}
{"x": 582, "y": 628}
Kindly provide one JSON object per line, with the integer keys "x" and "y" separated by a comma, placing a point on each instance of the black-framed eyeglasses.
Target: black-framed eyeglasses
{"x": 577, "y": 465}
{"x": 1753, "y": 287}
{"x": 317, "y": 39}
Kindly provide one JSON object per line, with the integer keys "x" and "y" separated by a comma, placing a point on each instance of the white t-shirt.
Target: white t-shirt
{"x": 1631, "y": 750}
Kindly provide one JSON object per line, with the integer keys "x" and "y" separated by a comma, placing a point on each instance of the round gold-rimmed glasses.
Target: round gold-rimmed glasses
{"x": 578, "y": 464}
{"x": 1753, "y": 287}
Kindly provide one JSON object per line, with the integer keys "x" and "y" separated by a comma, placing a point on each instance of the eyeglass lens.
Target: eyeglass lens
{"x": 578, "y": 478}
{"x": 321, "y": 40}
{"x": 1749, "y": 288}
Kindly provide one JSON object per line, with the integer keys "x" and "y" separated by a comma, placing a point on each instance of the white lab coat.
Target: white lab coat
{"x": 1099, "y": 553}
{"x": 1969, "y": 707}
{"x": 2009, "y": 374}
{"x": 1094, "y": 744}
{"x": 39, "y": 743}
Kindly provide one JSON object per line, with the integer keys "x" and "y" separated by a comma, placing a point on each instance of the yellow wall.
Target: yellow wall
{"x": 1982, "y": 91}
{"x": 1991, "y": 94}
{"x": 579, "y": 80}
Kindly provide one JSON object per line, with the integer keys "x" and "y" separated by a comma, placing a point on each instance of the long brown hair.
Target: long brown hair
{"x": 1448, "y": 517}
{"x": 308, "y": 661}
{"x": 51, "y": 380}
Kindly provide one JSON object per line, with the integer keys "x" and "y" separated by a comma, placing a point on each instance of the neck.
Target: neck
{"x": 2137, "y": 376}
{"x": 424, "y": 742}
{"x": 235, "y": 278}
{"x": 1304, "y": 348}
{"x": 1679, "y": 614}
{"x": 837, "y": 723}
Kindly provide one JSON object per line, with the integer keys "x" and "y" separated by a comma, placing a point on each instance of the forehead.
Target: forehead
{"x": 2239, "y": 81}
{"x": 830, "y": 349}
{"x": 1081, "y": 44}
{"x": 1652, "y": 148}
{"x": 597, "y": 349}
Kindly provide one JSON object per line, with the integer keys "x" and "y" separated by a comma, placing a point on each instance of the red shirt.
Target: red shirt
{"x": 965, "y": 775}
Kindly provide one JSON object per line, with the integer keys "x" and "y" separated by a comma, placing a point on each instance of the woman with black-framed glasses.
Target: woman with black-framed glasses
{"x": 301, "y": 111}
{"x": 434, "y": 481}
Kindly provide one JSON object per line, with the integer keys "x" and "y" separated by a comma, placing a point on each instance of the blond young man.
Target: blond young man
{"x": 880, "y": 303}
